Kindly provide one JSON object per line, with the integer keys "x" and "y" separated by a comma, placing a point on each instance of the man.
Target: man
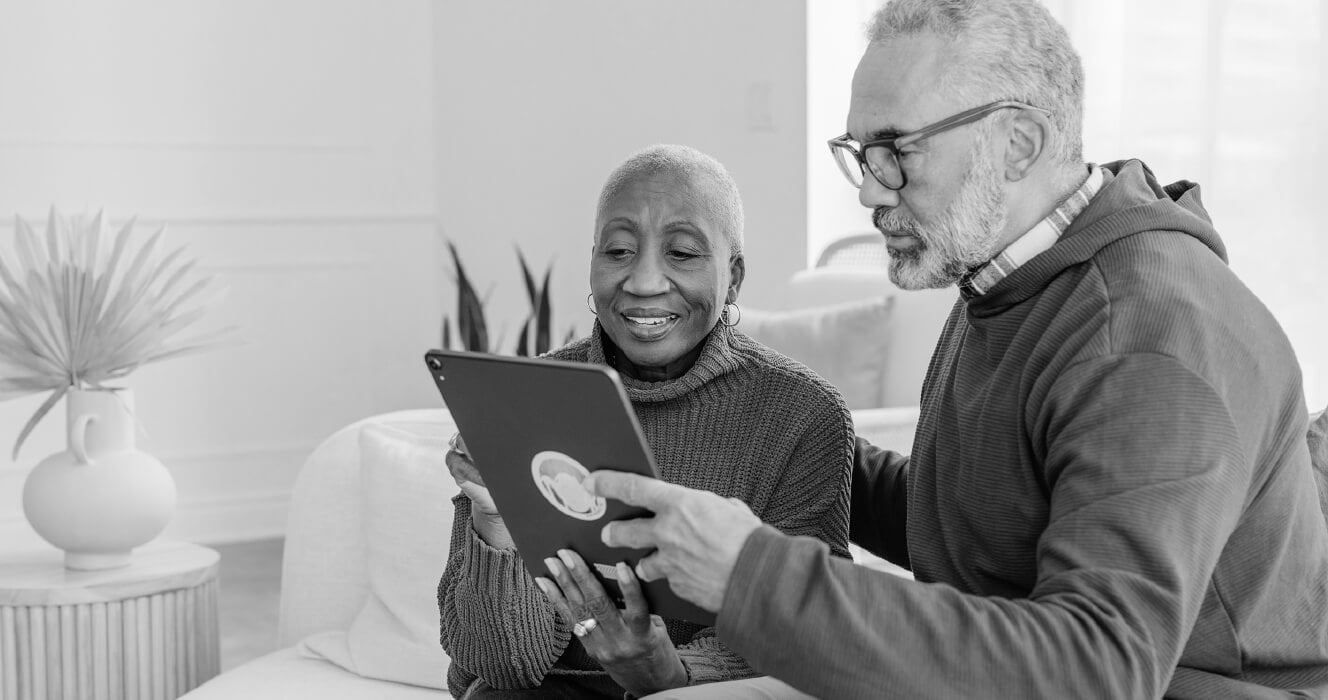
{"x": 1110, "y": 492}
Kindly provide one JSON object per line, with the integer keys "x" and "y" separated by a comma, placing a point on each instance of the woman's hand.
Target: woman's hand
{"x": 631, "y": 644}
{"x": 484, "y": 517}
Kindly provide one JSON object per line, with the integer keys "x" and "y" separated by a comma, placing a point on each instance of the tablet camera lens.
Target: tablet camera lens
{"x": 435, "y": 363}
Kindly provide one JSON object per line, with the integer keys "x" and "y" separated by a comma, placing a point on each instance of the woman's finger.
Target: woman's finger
{"x": 555, "y": 596}
{"x": 637, "y": 611}
{"x": 462, "y": 468}
{"x": 570, "y": 591}
{"x": 480, "y": 496}
{"x": 597, "y": 602}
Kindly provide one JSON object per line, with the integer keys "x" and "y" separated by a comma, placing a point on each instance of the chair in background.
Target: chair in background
{"x": 855, "y": 250}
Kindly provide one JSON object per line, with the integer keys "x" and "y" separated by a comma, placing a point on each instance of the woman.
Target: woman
{"x": 720, "y": 413}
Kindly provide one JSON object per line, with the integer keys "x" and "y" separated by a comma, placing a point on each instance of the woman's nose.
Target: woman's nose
{"x": 647, "y": 277}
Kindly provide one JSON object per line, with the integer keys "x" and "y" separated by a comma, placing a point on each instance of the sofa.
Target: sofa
{"x": 368, "y": 527}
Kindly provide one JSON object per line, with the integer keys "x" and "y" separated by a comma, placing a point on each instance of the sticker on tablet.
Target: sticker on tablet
{"x": 559, "y": 479}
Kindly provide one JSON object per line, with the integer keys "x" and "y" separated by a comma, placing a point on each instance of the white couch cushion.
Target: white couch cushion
{"x": 289, "y": 673}
{"x": 407, "y": 512}
{"x": 844, "y": 343}
{"x": 914, "y": 325}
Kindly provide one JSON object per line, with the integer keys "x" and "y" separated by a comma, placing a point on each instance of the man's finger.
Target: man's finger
{"x": 650, "y": 568}
{"x": 633, "y": 489}
{"x": 633, "y": 534}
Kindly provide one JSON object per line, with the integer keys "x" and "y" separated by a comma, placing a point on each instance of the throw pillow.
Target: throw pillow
{"x": 407, "y": 506}
{"x": 846, "y": 343}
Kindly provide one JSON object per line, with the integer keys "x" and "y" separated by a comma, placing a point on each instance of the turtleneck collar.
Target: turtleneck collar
{"x": 716, "y": 358}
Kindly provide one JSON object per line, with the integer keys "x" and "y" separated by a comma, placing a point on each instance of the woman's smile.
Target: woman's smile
{"x": 649, "y": 325}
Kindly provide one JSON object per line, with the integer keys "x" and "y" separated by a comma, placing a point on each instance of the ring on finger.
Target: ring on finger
{"x": 585, "y": 627}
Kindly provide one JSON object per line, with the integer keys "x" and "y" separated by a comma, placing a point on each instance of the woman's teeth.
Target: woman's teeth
{"x": 650, "y": 320}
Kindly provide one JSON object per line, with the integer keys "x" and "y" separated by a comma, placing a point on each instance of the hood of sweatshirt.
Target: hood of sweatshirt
{"x": 1130, "y": 202}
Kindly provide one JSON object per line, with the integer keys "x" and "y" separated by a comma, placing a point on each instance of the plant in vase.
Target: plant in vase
{"x": 80, "y": 309}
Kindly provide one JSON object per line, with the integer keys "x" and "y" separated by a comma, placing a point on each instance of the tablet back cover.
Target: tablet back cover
{"x": 534, "y": 428}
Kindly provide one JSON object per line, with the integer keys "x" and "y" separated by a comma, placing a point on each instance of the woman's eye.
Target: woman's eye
{"x": 618, "y": 253}
{"x": 683, "y": 255}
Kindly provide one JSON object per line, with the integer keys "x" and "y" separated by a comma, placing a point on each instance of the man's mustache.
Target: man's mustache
{"x": 895, "y": 224}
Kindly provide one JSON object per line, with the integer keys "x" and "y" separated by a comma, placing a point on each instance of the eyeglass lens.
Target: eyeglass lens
{"x": 881, "y": 160}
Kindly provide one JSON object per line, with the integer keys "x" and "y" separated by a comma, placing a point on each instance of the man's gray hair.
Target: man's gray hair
{"x": 708, "y": 174}
{"x": 1003, "y": 50}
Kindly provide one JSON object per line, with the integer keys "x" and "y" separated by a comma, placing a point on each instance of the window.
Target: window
{"x": 1229, "y": 93}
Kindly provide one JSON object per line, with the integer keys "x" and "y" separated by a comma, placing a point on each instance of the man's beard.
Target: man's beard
{"x": 960, "y": 239}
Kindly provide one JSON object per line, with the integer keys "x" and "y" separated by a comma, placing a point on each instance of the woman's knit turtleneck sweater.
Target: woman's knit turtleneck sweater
{"x": 743, "y": 422}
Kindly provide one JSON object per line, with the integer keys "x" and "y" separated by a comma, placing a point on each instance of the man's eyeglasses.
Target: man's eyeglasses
{"x": 881, "y": 156}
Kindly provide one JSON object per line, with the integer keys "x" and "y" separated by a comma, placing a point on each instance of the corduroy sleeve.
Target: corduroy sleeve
{"x": 495, "y": 623}
{"x": 878, "y": 510}
{"x": 1137, "y": 522}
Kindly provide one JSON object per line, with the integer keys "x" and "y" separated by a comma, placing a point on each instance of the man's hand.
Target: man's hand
{"x": 697, "y": 535}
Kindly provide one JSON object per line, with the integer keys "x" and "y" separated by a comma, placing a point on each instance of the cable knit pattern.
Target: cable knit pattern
{"x": 744, "y": 422}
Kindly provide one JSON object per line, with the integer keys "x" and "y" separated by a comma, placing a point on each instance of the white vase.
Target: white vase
{"x": 100, "y": 498}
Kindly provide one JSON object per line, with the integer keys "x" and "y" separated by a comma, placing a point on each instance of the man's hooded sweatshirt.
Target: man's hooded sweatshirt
{"x": 1109, "y": 494}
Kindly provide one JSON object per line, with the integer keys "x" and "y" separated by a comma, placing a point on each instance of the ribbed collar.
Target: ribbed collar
{"x": 1036, "y": 240}
{"x": 717, "y": 358}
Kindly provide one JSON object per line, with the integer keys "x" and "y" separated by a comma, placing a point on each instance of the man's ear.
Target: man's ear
{"x": 1030, "y": 131}
{"x": 737, "y": 272}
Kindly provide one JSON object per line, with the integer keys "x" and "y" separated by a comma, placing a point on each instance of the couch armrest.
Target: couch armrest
{"x": 887, "y": 428}
{"x": 324, "y": 579}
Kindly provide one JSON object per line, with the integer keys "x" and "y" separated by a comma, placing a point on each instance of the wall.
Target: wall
{"x": 317, "y": 153}
{"x": 537, "y": 102}
{"x": 836, "y": 38}
{"x": 290, "y": 146}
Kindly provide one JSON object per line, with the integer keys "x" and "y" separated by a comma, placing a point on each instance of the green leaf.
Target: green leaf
{"x": 70, "y": 317}
{"x": 36, "y": 417}
{"x": 543, "y": 315}
{"x": 470, "y": 313}
{"x": 521, "y": 340}
{"x": 531, "y": 293}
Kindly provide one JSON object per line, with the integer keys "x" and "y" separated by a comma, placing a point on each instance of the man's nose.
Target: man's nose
{"x": 873, "y": 194}
{"x": 647, "y": 277}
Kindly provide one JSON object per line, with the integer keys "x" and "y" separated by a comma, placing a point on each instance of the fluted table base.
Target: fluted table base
{"x": 147, "y": 631}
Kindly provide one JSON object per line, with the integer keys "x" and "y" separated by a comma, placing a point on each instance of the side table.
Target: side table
{"x": 147, "y": 630}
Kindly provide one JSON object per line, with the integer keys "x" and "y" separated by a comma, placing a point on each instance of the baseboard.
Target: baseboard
{"x": 237, "y": 518}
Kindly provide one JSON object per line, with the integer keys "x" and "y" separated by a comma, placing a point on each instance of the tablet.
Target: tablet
{"x": 535, "y": 428}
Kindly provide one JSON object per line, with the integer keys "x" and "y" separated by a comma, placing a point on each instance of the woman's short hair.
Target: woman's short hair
{"x": 1004, "y": 50}
{"x": 696, "y": 167}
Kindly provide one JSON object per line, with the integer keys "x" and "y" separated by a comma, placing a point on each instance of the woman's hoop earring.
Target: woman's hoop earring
{"x": 590, "y": 304}
{"x": 724, "y": 316}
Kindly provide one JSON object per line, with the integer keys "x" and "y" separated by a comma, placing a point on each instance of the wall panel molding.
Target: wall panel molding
{"x": 245, "y": 220}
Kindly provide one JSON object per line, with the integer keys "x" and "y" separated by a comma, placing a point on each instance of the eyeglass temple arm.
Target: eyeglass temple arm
{"x": 967, "y": 116}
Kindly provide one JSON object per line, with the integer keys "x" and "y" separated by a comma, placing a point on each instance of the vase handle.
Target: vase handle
{"x": 77, "y": 438}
